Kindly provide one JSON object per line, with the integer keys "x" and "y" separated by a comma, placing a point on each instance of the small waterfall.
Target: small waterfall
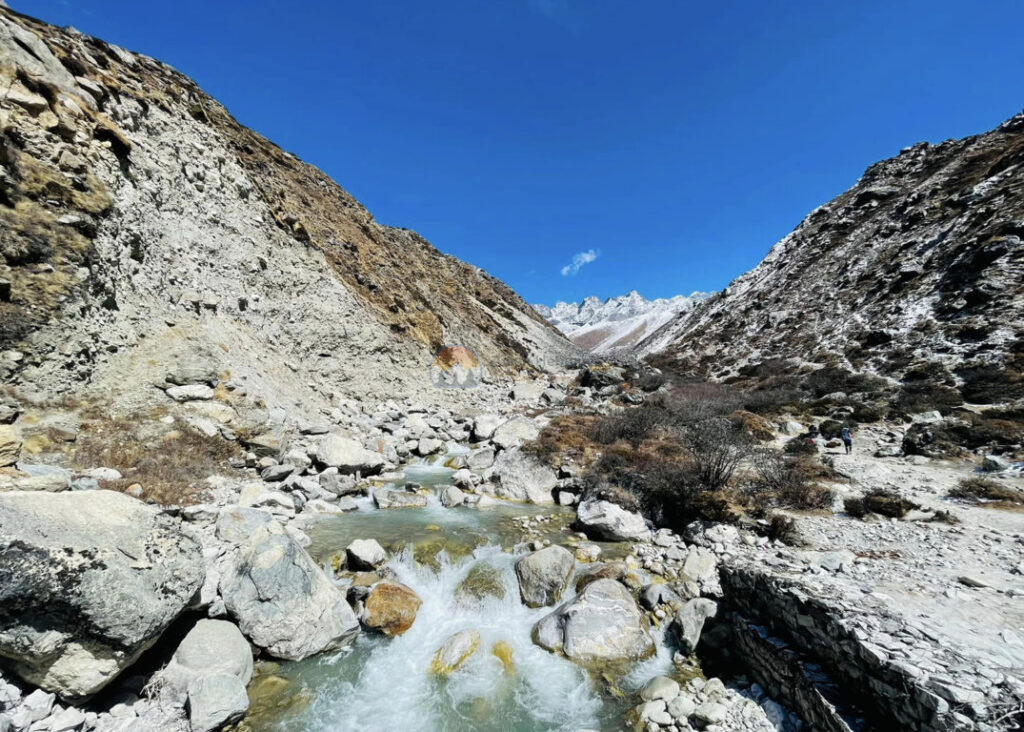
{"x": 384, "y": 684}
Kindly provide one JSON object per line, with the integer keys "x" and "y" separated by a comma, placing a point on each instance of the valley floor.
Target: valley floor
{"x": 913, "y": 620}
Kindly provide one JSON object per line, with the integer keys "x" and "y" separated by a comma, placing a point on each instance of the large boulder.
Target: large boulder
{"x": 216, "y": 700}
{"x": 390, "y": 607}
{"x": 515, "y": 432}
{"x": 602, "y": 375}
{"x": 544, "y": 575}
{"x": 10, "y": 445}
{"x": 347, "y": 455}
{"x": 689, "y": 621}
{"x": 480, "y": 458}
{"x": 283, "y": 602}
{"x": 211, "y": 647}
{"x": 235, "y": 524}
{"x": 603, "y": 623}
{"x": 484, "y": 426}
{"x": 518, "y": 477}
{"x": 88, "y": 581}
{"x": 527, "y": 391}
{"x": 605, "y": 520}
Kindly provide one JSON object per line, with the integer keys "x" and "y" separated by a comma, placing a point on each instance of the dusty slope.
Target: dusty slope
{"x": 138, "y": 219}
{"x": 919, "y": 266}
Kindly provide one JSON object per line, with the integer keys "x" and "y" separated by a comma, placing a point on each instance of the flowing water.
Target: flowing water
{"x": 384, "y": 683}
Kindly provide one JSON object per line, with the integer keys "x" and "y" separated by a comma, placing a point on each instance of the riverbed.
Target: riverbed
{"x": 508, "y": 684}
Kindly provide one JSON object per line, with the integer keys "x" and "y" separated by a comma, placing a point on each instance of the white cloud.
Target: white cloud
{"x": 578, "y": 260}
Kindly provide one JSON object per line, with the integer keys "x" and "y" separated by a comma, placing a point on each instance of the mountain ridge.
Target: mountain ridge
{"x": 616, "y": 324}
{"x": 140, "y": 220}
{"x": 915, "y": 273}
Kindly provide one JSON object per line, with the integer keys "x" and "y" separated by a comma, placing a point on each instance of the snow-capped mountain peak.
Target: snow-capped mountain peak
{"x": 618, "y": 323}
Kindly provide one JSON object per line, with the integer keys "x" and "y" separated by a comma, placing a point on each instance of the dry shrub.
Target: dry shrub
{"x": 634, "y": 425}
{"x": 978, "y": 490}
{"x": 791, "y": 481}
{"x": 880, "y": 501}
{"x": 782, "y": 528}
{"x": 752, "y": 425}
{"x": 564, "y": 437}
{"x": 171, "y": 464}
{"x": 800, "y": 446}
{"x": 649, "y": 381}
{"x": 699, "y": 401}
{"x": 716, "y": 447}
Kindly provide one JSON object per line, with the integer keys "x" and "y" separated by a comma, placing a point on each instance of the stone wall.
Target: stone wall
{"x": 812, "y": 653}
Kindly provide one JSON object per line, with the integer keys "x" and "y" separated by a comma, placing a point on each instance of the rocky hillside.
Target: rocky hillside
{"x": 139, "y": 220}
{"x": 916, "y": 273}
{"x": 618, "y": 323}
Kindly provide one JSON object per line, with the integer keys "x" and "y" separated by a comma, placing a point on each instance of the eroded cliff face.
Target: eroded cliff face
{"x": 918, "y": 270}
{"x": 139, "y": 220}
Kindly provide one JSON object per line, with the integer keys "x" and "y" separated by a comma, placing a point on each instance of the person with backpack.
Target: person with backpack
{"x": 847, "y": 437}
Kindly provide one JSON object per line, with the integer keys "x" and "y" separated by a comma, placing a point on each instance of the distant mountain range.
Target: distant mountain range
{"x": 618, "y": 323}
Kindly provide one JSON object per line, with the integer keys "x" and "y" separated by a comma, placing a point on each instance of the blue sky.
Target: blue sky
{"x": 578, "y": 147}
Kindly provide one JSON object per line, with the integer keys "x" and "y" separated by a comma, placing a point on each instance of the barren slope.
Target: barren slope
{"x": 916, "y": 271}
{"x": 139, "y": 219}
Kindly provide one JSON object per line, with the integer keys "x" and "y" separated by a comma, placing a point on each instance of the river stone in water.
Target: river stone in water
{"x": 211, "y": 647}
{"x": 452, "y": 497}
{"x": 605, "y": 520}
{"x": 283, "y": 602}
{"x": 482, "y": 581}
{"x": 91, "y": 580}
{"x": 390, "y": 608}
{"x": 455, "y": 651}
{"x": 519, "y": 477}
{"x": 395, "y": 498}
{"x": 365, "y": 554}
{"x": 544, "y": 575}
{"x": 602, "y": 623}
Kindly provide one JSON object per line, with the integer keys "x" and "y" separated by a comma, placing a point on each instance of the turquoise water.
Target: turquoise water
{"x": 384, "y": 683}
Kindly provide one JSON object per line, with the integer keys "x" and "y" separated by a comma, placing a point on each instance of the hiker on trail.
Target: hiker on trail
{"x": 847, "y": 437}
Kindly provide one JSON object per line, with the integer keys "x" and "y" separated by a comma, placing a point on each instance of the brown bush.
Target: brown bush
{"x": 800, "y": 446}
{"x": 171, "y": 465}
{"x": 977, "y": 490}
{"x": 880, "y": 501}
{"x": 564, "y": 437}
{"x": 716, "y": 447}
{"x": 752, "y": 425}
{"x": 831, "y": 379}
{"x": 791, "y": 481}
{"x": 634, "y": 425}
{"x": 695, "y": 402}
